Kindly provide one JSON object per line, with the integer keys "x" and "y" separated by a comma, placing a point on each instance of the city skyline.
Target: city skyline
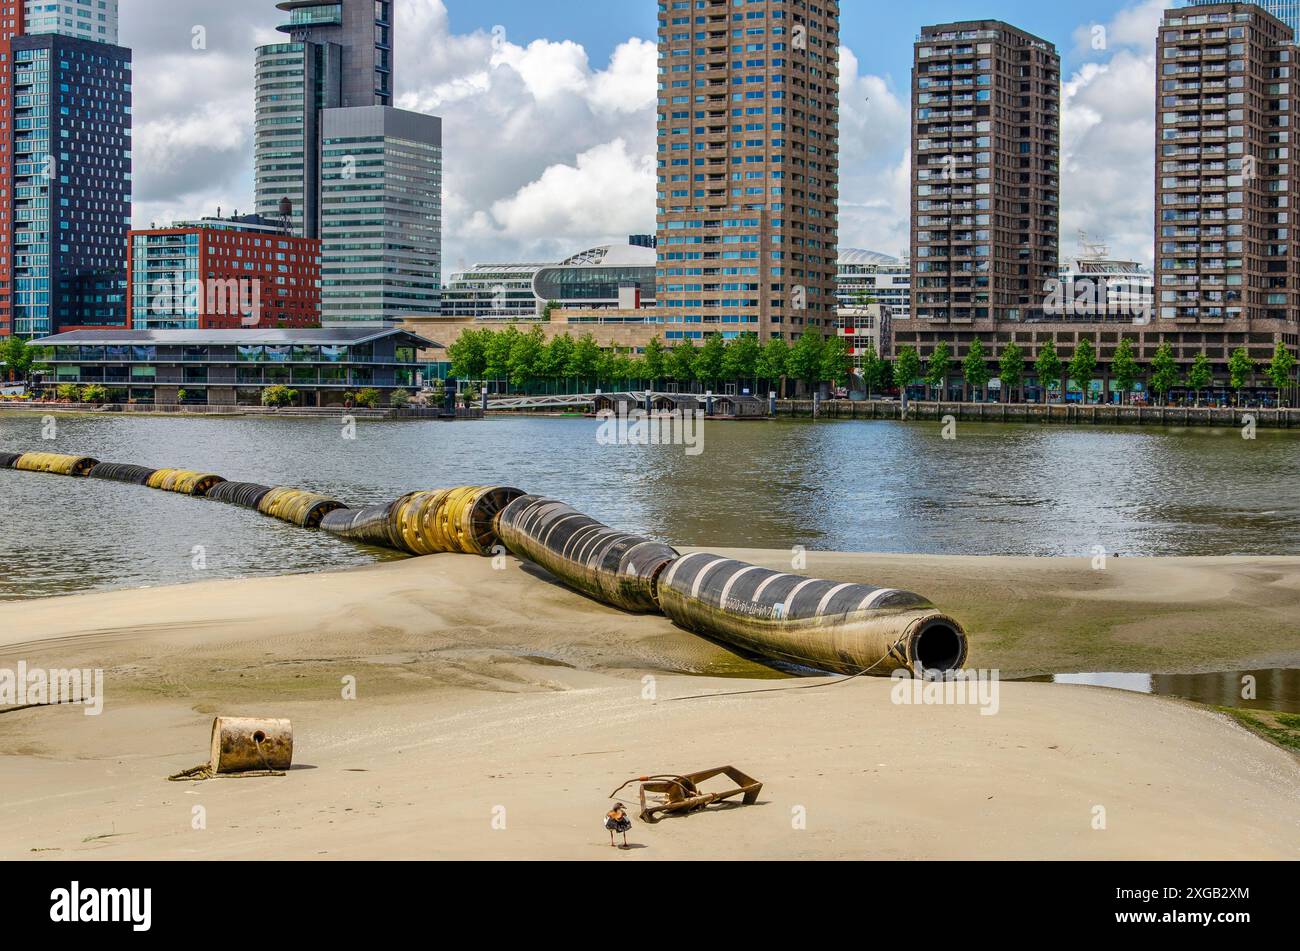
{"x": 551, "y": 141}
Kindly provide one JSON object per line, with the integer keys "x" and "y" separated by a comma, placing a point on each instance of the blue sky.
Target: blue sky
{"x": 549, "y": 126}
{"x": 880, "y": 33}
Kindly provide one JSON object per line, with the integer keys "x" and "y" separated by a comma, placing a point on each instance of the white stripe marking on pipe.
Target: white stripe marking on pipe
{"x": 789, "y": 599}
{"x": 821, "y": 608}
{"x": 699, "y": 579}
{"x": 726, "y": 591}
{"x": 875, "y": 597}
{"x": 672, "y": 570}
{"x": 763, "y": 587}
{"x": 594, "y": 547}
{"x": 546, "y": 539}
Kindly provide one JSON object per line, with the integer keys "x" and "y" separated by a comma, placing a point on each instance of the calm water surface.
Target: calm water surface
{"x": 1274, "y": 689}
{"x": 851, "y": 486}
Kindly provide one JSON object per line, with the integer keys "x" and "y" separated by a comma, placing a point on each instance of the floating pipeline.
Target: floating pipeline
{"x": 246, "y": 495}
{"x": 828, "y": 625}
{"x": 452, "y": 521}
{"x": 297, "y": 506}
{"x": 613, "y": 567}
{"x": 369, "y": 526}
{"x": 7, "y": 459}
{"x": 120, "y": 472}
{"x": 844, "y": 628}
{"x": 183, "y": 481}
{"x": 54, "y": 462}
{"x": 459, "y": 521}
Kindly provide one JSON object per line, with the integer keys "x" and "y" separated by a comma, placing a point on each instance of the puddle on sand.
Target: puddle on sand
{"x": 1277, "y": 689}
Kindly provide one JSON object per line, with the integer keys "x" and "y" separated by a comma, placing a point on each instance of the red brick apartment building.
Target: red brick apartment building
{"x": 222, "y": 273}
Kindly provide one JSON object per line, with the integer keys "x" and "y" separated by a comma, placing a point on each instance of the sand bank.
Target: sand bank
{"x": 489, "y": 695}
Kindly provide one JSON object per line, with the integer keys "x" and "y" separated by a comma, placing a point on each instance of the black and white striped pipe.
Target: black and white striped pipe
{"x": 829, "y": 625}
{"x": 613, "y": 567}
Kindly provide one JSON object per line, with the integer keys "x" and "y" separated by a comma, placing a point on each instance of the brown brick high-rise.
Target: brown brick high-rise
{"x": 1227, "y": 267}
{"x": 985, "y": 174}
{"x": 748, "y": 167}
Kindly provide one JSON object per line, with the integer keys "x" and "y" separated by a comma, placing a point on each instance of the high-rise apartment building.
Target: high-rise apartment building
{"x": 1288, "y": 11}
{"x": 339, "y": 55}
{"x": 1227, "y": 269}
{"x": 748, "y": 166}
{"x": 381, "y": 214}
{"x": 1227, "y": 266}
{"x": 985, "y": 173}
{"x": 68, "y": 123}
{"x": 94, "y": 20}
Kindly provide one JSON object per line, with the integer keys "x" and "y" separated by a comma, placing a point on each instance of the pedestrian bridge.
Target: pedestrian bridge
{"x": 576, "y": 402}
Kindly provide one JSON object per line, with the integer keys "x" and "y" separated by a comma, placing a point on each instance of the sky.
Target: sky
{"x": 548, "y": 111}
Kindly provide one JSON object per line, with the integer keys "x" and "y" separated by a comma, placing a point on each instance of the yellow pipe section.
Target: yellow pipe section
{"x": 56, "y": 463}
{"x": 297, "y": 506}
{"x": 449, "y": 521}
{"x": 183, "y": 481}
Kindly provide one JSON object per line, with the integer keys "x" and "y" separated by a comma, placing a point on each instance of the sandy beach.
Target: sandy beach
{"x": 496, "y": 710}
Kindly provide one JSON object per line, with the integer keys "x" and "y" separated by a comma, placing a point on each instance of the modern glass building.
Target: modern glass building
{"x": 70, "y": 182}
{"x": 233, "y": 367}
{"x": 611, "y": 276}
{"x": 94, "y": 20}
{"x": 381, "y": 214}
{"x": 293, "y": 82}
{"x": 339, "y": 55}
{"x": 605, "y": 278}
{"x": 492, "y": 290}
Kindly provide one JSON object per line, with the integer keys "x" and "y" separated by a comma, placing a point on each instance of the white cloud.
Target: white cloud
{"x": 547, "y": 152}
{"x": 1108, "y": 137}
{"x": 875, "y": 160}
{"x": 606, "y": 188}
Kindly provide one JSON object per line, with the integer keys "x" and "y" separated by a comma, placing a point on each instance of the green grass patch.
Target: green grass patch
{"x": 1280, "y": 728}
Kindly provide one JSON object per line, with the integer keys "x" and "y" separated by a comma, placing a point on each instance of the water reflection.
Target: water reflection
{"x": 864, "y": 486}
{"x": 1276, "y": 689}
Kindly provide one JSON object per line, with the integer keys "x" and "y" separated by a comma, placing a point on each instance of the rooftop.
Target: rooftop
{"x": 614, "y": 255}
{"x": 860, "y": 256}
{"x": 327, "y": 336}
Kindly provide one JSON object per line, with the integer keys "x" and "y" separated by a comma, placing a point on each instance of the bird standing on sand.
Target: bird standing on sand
{"x": 616, "y": 821}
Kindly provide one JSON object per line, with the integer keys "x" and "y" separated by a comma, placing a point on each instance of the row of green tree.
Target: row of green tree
{"x": 1053, "y": 372}
{"x": 526, "y": 360}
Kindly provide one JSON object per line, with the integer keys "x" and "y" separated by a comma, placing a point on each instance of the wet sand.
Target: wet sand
{"x": 489, "y": 698}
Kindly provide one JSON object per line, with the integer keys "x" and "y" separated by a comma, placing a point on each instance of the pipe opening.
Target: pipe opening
{"x": 939, "y": 647}
{"x": 259, "y": 737}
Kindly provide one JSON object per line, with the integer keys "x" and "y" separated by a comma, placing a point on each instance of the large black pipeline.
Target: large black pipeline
{"x": 612, "y": 566}
{"x": 830, "y": 625}
{"x": 121, "y": 472}
{"x": 835, "y": 626}
{"x": 7, "y": 459}
{"x": 246, "y": 495}
{"x": 370, "y": 525}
